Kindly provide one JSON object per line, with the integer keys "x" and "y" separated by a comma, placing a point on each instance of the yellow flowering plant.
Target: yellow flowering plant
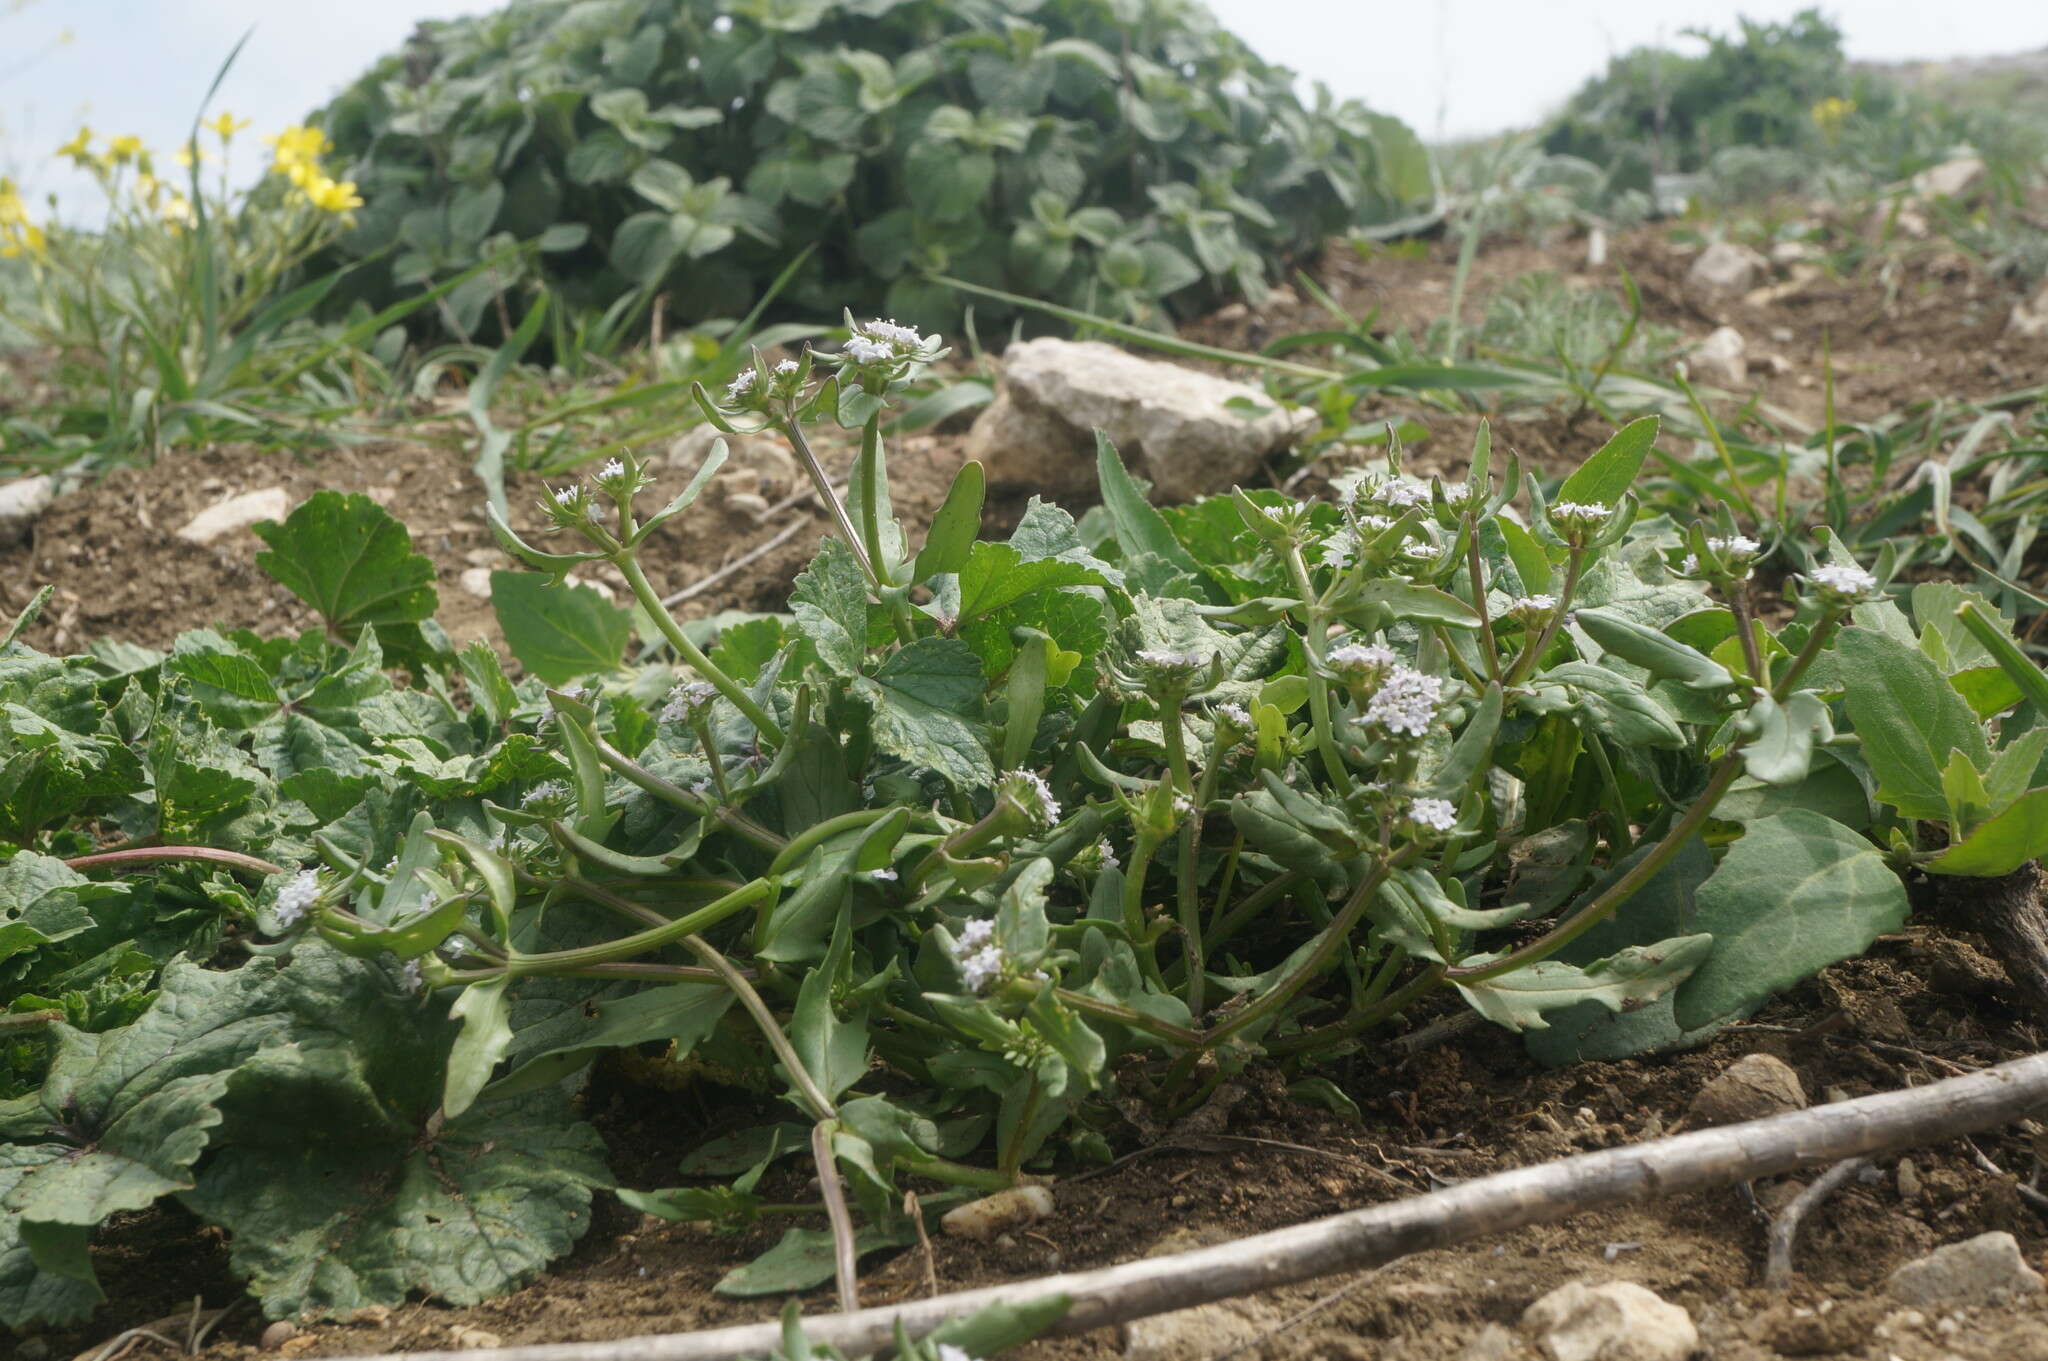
{"x": 184, "y": 263}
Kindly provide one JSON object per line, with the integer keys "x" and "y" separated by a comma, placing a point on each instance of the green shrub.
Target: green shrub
{"x": 1107, "y": 153}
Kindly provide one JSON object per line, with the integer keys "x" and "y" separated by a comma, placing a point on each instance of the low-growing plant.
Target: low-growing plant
{"x": 984, "y": 856}
{"x": 1133, "y": 155}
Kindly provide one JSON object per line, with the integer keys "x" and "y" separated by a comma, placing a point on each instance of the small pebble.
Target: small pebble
{"x": 371, "y": 1316}
{"x": 1752, "y": 1087}
{"x": 1909, "y": 1180}
{"x": 467, "y": 1339}
{"x": 277, "y": 1334}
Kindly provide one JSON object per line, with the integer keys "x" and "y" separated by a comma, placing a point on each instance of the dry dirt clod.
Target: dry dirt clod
{"x": 21, "y": 501}
{"x": 1977, "y": 1271}
{"x": 1726, "y": 267}
{"x": 371, "y": 1316}
{"x": 1610, "y": 1321}
{"x": 1909, "y": 1181}
{"x": 277, "y": 1334}
{"x": 223, "y": 518}
{"x": 1720, "y": 359}
{"x": 1752, "y": 1087}
{"x": 1203, "y": 1331}
{"x": 467, "y": 1339}
{"x": 477, "y": 581}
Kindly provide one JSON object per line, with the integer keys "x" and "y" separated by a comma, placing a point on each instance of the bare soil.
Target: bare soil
{"x": 1925, "y": 1004}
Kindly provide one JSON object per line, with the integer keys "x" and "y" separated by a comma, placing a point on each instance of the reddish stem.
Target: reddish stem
{"x": 144, "y": 854}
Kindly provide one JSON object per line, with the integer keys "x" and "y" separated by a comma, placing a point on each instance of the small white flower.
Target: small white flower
{"x": 861, "y": 350}
{"x": 297, "y": 896}
{"x": 1438, "y": 815}
{"x": 1399, "y": 494}
{"x": 1735, "y": 546}
{"x": 1842, "y": 584}
{"x": 981, "y": 968}
{"x": 1109, "y": 860}
{"x": 885, "y": 874}
{"x": 612, "y": 468}
{"x": 889, "y": 333}
{"x": 1361, "y": 657}
{"x": 786, "y": 367}
{"x": 741, "y": 385}
{"x": 1580, "y": 512}
{"x": 1457, "y": 493}
{"x": 684, "y": 700}
{"x": 1236, "y": 715}
{"x": 565, "y": 497}
{"x": 1173, "y": 661}
{"x": 1419, "y": 552}
{"x": 1406, "y": 702}
{"x": 1337, "y": 550}
{"x": 1532, "y": 604}
{"x": 1031, "y": 793}
{"x": 975, "y": 935}
{"x": 1691, "y": 565}
{"x": 702, "y": 789}
{"x": 410, "y": 976}
{"x": 547, "y": 791}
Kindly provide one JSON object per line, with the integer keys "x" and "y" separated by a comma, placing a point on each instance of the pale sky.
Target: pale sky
{"x": 1449, "y": 67}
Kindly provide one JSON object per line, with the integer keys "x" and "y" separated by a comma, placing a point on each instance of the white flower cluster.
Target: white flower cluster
{"x": 1532, "y": 606}
{"x": 885, "y": 875}
{"x": 1457, "y": 493}
{"x": 547, "y": 791}
{"x": 409, "y": 976}
{"x": 612, "y": 468}
{"x": 741, "y": 385}
{"x": 1738, "y": 549}
{"x": 786, "y": 367}
{"x": 1344, "y": 541}
{"x": 1237, "y": 717}
{"x": 1438, "y": 815}
{"x": 297, "y": 897}
{"x": 686, "y": 698}
{"x": 1031, "y": 793}
{"x": 1361, "y": 657}
{"x": 1580, "y": 512}
{"x": 979, "y": 957}
{"x": 1163, "y": 660}
{"x": 1842, "y": 585}
{"x": 861, "y": 350}
{"x": 1406, "y": 702}
{"x": 1395, "y": 493}
{"x": 1108, "y": 853}
{"x": 1418, "y": 551}
{"x": 889, "y": 333}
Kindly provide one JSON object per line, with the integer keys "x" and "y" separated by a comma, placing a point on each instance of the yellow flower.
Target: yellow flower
{"x": 12, "y": 212}
{"x": 178, "y": 211}
{"x": 24, "y": 239}
{"x": 124, "y": 149}
{"x": 301, "y": 174}
{"x": 1829, "y": 115}
{"x": 298, "y": 145}
{"x": 226, "y": 125}
{"x": 191, "y": 154}
{"x": 148, "y": 188}
{"x": 79, "y": 148}
{"x": 330, "y": 196}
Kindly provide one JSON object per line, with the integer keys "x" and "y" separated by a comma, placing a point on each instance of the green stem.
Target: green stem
{"x": 1816, "y": 643}
{"x": 1534, "y": 649}
{"x": 28, "y": 1020}
{"x": 1313, "y": 642}
{"x": 1143, "y": 848}
{"x": 793, "y": 431}
{"x": 810, "y": 838}
{"x": 1365, "y": 1018}
{"x": 730, "y": 818}
{"x": 1489, "y": 648}
{"x": 1257, "y": 901}
{"x": 1620, "y": 891}
{"x": 1128, "y": 1016}
{"x": 643, "y": 941}
{"x": 643, "y": 590}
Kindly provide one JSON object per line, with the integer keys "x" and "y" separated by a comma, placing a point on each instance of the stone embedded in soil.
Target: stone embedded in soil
{"x": 464, "y": 1338}
{"x": 1752, "y": 1087}
{"x": 2029, "y": 317}
{"x": 1951, "y": 179}
{"x": 1726, "y": 267}
{"x": 1610, "y": 1321}
{"x": 277, "y": 1334}
{"x": 1720, "y": 359}
{"x": 1188, "y": 433}
{"x": 1492, "y": 1343}
{"x": 236, "y": 512}
{"x": 983, "y": 1219}
{"x": 21, "y": 501}
{"x": 1981, "y": 1270}
{"x": 477, "y": 581}
{"x": 1201, "y": 1331}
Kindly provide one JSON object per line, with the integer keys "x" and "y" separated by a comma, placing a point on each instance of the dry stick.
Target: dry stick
{"x": 738, "y": 564}
{"x": 1869, "y": 1126}
{"x": 1785, "y": 1228}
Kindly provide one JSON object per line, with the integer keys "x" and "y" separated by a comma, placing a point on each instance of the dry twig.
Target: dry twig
{"x": 1785, "y": 1228}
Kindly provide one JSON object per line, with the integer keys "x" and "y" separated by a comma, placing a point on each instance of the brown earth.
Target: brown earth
{"x": 1924, "y": 1004}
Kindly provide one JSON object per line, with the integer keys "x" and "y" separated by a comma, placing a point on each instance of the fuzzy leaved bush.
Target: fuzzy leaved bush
{"x": 1119, "y": 154}
{"x": 977, "y": 848}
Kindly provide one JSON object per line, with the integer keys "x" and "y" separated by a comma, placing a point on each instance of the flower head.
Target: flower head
{"x": 332, "y": 196}
{"x": 225, "y": 125}
{"x": 1580, "y": 512}
{"x": 1436, "y": 815}
{"x": 124, "y": 149}
{"x": 1029, "y": 791}
{"x": 298, "y": 145}
{"x": 1531, "y": 609}
{"x": 1169, "y": 665}
{"x": 1842, "y": 585}
{"x": 741, "y": 384}
{"x": 1361, "y": 660}
{"x": 1405, "y": 703}
{"x": 980, "y": 959}
{"x": 547, "y": 791}
{"x": 1235, "y": 715}
{"x": 79, "y": 149}
{"x": 902, "y": 338}
{"x": 688, "y": 701}
{"x": 297, "y": 896}
{"x": 409, "y": 976}
{"x": 862, "y": 350}
{"x": 786, "y": 367}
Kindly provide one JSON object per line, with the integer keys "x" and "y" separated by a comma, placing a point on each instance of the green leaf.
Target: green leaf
{"x": 348, "y": 559}
{"x": 484, "y": 1011}
{"x": 925, "y": 698}
{"x": 560, "y": 1026}
{"x": 1139, "y": 528}
{"x": 995, "y": 576}
{"x": 1796, "y": 894}
{"x": 830, "y": 603}
{"x": 1615, "y": 705}
{"x": 954, "y": 527}
{"x": 803, "y": 1258}
{"x": 2002, "y": 843}
{"x": 1662, "y": 656}
{"x": 1603, "y": 478}
{"x": 29, "y": 1293}
{"x": 1622, "y": 982}
{"x": 461, "y": 1210}
{"x": 1781, "y": 751}
{"x": 833, "y": 1051}
{"x": 1909, "y": 719}
{"x": 1427, "y": 604}
{"x": 558, "y": 632}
